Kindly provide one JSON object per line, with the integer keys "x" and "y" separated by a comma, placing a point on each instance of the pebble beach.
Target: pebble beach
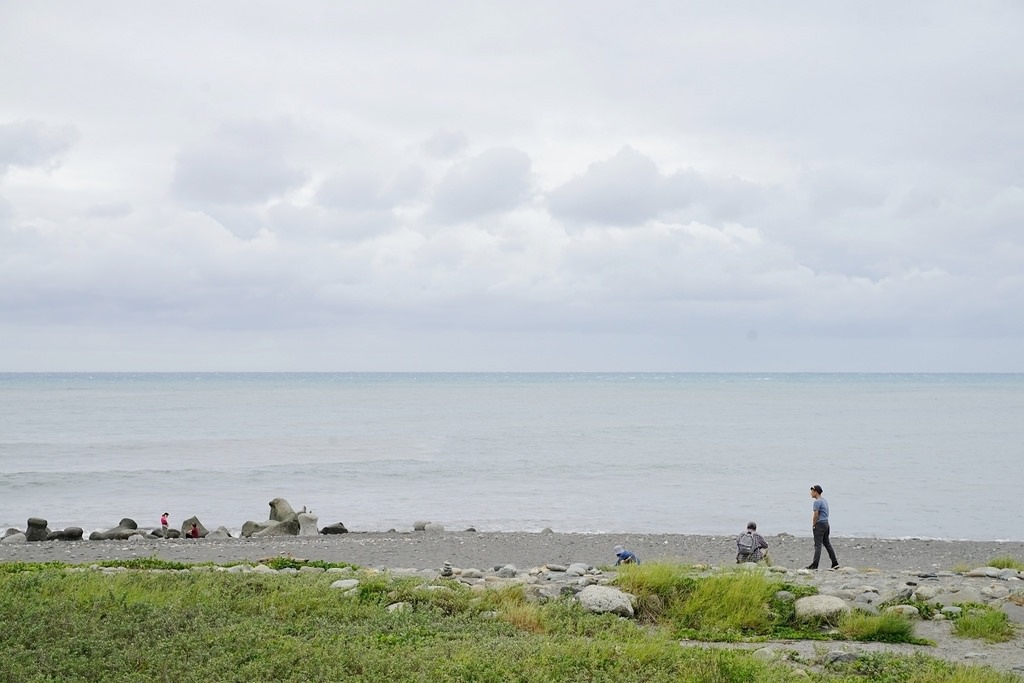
{"x": 431, "y": 549}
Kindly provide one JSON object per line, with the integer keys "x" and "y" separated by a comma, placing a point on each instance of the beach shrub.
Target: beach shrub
{"x": 884, "y": 628}
{"x": 883, "y": 667}
{"x": 983, "y": 623}
{"x": 1006, "y": 562}
{"x": 727, "y": 606}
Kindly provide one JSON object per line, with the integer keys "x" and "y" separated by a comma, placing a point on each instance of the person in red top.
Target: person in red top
{"x": 194, "y": 531}
{"x": 163, "y": 523}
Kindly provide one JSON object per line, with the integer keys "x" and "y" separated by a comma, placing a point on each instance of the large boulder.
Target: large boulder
{"x": 602, "y": 599}
{"x": 16, "y": 537}
{"x": 37, "y": 529}
{"x": 250, "y": 527}
{"x": 287, "y": 528}
{"x": 220, "y": 532}
{"x": 187, "y": 525}
{"x": 125, "y": 529}
{"x": 307, "y": 523}
{"x": 280, "y": 510}
{"x": 71, "y": 533}
{"x": 823, "y": 608}
{"x": 336, "y": 528}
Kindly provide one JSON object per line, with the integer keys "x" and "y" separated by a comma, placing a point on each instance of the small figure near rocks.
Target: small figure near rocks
{"x": 751, "y": 546}
{"x": 193, "y": 531}
{"x": 164, "y": 519}
{"x": 623, "y": 556}
{"x": 820, "y": 528}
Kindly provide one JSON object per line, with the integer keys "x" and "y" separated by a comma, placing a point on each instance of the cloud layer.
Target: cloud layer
{"x": 461, "y": 187}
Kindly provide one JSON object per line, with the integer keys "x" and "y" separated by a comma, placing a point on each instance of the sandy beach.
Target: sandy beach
{"x": 486, "y": 549}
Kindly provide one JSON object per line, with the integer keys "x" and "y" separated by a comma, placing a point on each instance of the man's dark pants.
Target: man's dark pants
{"x": 821, "y": 531}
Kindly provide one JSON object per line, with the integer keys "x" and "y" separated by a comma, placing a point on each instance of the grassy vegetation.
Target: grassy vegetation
{"x": 1007, "y": 562}
{"x": 64, "y": 625}
{"x": 883, "y": 628}
{"x": 983, "y": 623}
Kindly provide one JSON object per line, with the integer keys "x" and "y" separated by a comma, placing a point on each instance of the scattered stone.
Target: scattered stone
{"x": 71, "y": 533}
{"x": 825, "y": 608}
{"x": 37, "y": 529}
{"x": 605, "y": 599}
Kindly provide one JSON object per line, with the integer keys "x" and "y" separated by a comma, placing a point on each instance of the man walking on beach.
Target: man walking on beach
{"x": 820, "y": 528}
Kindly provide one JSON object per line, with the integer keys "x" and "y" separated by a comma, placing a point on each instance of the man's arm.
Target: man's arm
{"x": 814, "y": 516}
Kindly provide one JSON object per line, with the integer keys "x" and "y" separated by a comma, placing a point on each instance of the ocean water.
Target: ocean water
{"x": 914, "y": 455}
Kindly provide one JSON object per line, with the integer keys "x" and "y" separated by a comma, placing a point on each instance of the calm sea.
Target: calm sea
{"x": 935, "y": 456}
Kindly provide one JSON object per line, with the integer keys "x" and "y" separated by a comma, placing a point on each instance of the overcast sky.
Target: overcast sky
{"x": 692, "y": 186}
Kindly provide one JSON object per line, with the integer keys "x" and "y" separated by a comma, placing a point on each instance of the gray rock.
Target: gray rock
{"x": 122, "y": 532}
{"x": 345, "y": 584}
{"x": 187, "y": 524}
{"x": 960, "y": 597}
{"x": 336, "y": 528}
{"x": 71, "y": 533}
{"x": 280, "y": 510}
{"x": 249, "y": 528}
{"x": 908, "y": 611}
{"x": 16, "y": 537}
{"x": 220, "y": 532}
{"x": 37, "y": 529}
{"x": 434, "y": 527}
{"x": 605, "y": 599}
{"x": 286, "y": 528}
{"x": 307, "y": 524}
{"x": 420, "y": 525}
{"x": 826, "y": 608}
{"x": 508, "y": 571}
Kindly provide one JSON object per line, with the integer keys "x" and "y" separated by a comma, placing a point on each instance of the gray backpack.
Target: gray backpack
{"x": 745, "y": 544}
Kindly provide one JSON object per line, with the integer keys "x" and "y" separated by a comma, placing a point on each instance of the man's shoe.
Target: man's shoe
{"x": 811, "y": 566}
{"x": 834, "y": 567}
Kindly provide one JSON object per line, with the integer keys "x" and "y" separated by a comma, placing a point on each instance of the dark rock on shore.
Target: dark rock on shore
{"x": 71, "y": 533}
{"x": 336, "y": 528}
{"x": 37, "y": 529}
{"x": 125, "y": 529}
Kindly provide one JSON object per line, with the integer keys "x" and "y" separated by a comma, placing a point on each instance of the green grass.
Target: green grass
{"x": 134, "y": 625}
{"x": 984, "y": 623}
{"x": 1006, "y": 562}
{"x": 888, "y": 668}
{"x": 882, "y": 628}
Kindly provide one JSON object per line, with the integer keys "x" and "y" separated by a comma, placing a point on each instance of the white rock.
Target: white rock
{"x": 825, "y": 607}
{"x": 605, "y": 599}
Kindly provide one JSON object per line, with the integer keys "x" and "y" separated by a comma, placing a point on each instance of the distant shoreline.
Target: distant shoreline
{"x": 426, "y": 550}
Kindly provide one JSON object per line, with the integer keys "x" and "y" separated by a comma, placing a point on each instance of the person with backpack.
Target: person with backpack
{"x": 751, "y": 546}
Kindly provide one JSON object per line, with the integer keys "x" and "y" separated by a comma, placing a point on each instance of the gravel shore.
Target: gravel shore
{"x": 485, "y": 549}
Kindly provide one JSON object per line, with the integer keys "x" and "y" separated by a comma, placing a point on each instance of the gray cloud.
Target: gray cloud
{"x": 445, "y": 144}
{"x": 472, "y": 187}
{"x": 363, "y": 189}
{"x": 241, "y": 163}
{"x": 32, "y": 143}
{"x": 493, "y": 181}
